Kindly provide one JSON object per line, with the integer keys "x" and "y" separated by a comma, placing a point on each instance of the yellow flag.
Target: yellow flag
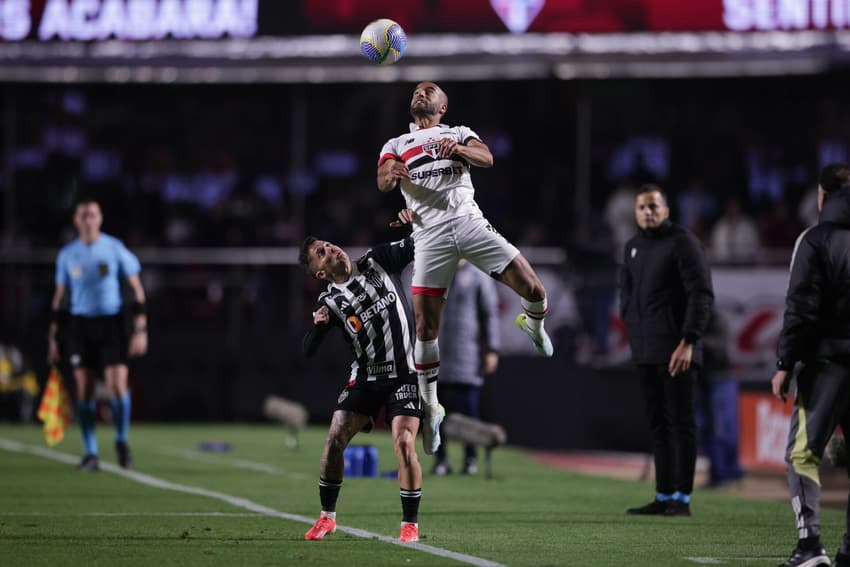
{"x": 55, "y": 408}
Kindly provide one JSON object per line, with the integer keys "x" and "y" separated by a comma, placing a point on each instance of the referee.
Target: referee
{"x": 91, "y": 267}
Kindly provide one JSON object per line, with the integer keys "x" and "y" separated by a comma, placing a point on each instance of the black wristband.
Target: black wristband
{"x": 139, "y": 308}
{"x": 54, "y": 316}
{"x": 781, "y": 364}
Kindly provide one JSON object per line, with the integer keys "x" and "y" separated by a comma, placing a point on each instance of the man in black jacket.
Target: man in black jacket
{"x": 666, "y": 299}
{"x": 816, "y": 333}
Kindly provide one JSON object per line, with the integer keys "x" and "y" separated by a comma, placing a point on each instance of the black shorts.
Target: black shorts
{"x": 400, "y": 396}
{"x": 97, "y": 342}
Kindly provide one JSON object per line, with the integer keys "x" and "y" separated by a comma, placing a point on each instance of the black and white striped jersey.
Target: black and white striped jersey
{"x": 371, "y": 309}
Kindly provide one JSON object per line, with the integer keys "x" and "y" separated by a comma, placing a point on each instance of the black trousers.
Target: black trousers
{"x": 670, "y": 411}
{"x": 822, "y": 403}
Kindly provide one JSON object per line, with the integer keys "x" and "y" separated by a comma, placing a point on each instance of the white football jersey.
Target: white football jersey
{"x": 438, "y": 189}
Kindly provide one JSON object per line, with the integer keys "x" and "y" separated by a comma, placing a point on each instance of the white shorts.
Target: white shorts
{"x": 439, "y": 249}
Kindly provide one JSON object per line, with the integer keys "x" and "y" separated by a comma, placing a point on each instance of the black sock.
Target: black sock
{"x": 810, "y": 542}
{"x": 410, "y": 504}
{"x": 328, "y": 493}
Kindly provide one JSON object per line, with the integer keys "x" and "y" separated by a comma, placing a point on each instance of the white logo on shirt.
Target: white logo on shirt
{"x": 634, "y": 252}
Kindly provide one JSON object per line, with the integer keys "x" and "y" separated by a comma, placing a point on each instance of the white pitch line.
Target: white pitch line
{"x": 190, "y": 455}
{"x": 719, "y": 561}
{"x": 148, "y": 480}
{"x": 137, "y": 514}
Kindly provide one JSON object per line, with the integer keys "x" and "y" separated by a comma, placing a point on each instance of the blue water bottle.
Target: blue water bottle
{"x": 370, "y": 461}
{"x": 353, "y": 457}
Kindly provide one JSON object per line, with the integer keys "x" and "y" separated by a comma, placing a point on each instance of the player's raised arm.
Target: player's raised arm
{"x": 316, "y": 334}
{"x": 390, "y": 172}
{"x": 475, "y": 152}
{"x": 394, "y": 256}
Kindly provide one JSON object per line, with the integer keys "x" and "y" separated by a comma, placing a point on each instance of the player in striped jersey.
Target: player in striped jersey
{"x": 431, "y": 165}
{"x": 364, "y": 299}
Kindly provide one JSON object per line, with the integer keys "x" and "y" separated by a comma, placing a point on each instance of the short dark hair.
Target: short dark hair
{"x": 652, "y": 188}
{"x": 86, "y": 200}
{"x": 835, "y": 177}
{"x": 304, "y": 254}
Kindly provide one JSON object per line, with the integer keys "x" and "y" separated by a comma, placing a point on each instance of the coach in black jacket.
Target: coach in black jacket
{"x": 816, "y": 333}
{"x": 666, "y": 299}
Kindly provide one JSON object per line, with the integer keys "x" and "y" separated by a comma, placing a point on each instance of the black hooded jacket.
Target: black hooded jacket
{"x": 817, "y": 305}
{"x": 665, "y": 293}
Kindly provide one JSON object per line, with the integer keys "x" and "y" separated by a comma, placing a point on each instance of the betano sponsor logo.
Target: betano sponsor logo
{"x": 377, "y": 307}
{"x": 355, "y": 322}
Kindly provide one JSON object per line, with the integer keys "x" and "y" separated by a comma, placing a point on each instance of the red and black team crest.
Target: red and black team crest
{"x": 430, "y": 148}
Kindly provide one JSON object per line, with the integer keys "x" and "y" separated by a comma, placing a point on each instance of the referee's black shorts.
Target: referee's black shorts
{"x": 97, "y": 342}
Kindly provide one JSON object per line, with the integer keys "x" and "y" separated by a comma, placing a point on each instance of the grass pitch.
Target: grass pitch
{"x": 251, "y": 505}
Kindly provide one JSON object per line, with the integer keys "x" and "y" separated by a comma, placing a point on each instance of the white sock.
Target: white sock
{"x": 427, "y": 357}
{"x": 428, "y": 393}
{"x": 331, "y": 515}
{"x": 535, "y": 311}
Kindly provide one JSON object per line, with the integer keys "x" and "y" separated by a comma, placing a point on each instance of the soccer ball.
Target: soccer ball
{"x": 383, "y": 41}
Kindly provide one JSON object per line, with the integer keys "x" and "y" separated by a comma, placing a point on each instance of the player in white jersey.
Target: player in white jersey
{"x": 431, "y": 165}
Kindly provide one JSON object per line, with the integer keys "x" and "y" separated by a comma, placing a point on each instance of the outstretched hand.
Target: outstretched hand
{"x": 405, "y": 217}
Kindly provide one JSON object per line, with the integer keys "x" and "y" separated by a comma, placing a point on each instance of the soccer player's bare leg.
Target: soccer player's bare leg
{"x": 116, "y": 378}
{"x": 521, "y": 277}
{"x": 344, "y": 426}
{"x": 409, "y": 474}
{"x": 85, "y": 380}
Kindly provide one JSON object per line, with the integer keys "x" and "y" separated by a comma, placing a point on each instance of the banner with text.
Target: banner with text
{"x": 97, "y": 20}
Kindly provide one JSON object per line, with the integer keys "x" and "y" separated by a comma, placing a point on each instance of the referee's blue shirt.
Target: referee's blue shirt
{"x": 92, "y": 272}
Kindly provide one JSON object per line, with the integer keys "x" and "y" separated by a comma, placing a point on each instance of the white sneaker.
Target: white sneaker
{"x": 431, "y": 428}
{"x": 542, "y": 343}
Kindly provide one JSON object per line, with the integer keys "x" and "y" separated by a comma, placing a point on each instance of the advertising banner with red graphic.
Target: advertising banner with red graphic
{"x": 580, "y": 16}
{"x": 753, "y": 302}
{"x": 93, "y": 20}
{"x": 763, "y": 434}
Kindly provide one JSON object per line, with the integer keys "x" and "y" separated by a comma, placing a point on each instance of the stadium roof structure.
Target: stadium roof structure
{"x": 336, "y": 58}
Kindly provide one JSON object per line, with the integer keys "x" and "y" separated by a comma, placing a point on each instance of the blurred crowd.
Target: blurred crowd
{"x": 733, "y": 231}
{"x": 264, "y": 165}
